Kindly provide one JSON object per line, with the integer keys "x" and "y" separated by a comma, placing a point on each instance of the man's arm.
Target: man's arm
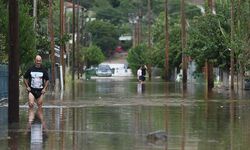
{"x": 45, "y": 86}
{"x": 26, "y": 82}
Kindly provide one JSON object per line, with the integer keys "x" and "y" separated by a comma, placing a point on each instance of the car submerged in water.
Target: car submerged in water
{"x": 104, "y": 70}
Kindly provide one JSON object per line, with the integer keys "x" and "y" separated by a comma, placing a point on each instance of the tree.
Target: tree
{"x": 104, "y": 35}
{"x": 3, "y": 32}
{"x": 26, "y": 36}
{"x": 138, "y": 56}
{"x": 93, "y": 56}
{"x": 206, "y": 41}
{"x": 175, "y": 52}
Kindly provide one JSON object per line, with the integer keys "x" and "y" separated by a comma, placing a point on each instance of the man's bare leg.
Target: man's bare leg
{"x": 31, "y": 100}
{"x": 40, "y": 101}
{"x": 31, "y": 116}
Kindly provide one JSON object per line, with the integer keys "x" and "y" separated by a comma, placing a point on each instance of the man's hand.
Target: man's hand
{"x": 28, "y": 89}
{"x": 43, "y": 91}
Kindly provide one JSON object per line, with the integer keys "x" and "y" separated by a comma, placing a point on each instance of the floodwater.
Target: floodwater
{"x": 119, "y": 113}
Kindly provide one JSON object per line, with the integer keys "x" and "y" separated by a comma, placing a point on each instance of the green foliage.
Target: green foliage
{"x": 104, "y": 35}
{"x": 175, "y": 51}
{"x": 111, "y": 15}
{"x": 140, "y": 55}
{"x": 46, "y": 64}
{"x": 206, "y": 40}
{"x": 26, "y": 37}
{"x": 93, "y": 55}
{"x": 3, "y": 32}
{"x": 114, "y": 3}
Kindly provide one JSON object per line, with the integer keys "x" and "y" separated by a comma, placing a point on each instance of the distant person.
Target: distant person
{"x": 143, "y": 70}
{"x": 36, "y": 80}
{"x": 139, "y": 74}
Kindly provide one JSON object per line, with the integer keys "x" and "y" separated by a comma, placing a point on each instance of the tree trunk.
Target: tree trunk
{"x": 241, "y": 76}
{"x": 13, "y": 86}
{"x": 208, "y": 64}
{"x": 183, "y": 44}
{"x": 225, "y": 79}
{"x": 210, "y": 76}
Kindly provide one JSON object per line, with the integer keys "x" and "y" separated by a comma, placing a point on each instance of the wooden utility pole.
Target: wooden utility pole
{"x": 232, "y": 49}
{"x": 73, "y": 43}
{"x": 35, "y": 13}
{"x": 13, "y": 89}
{"x": 149, "y": 70}
{"x": 183, "y": 44}
{"x": 166, "y": 42}
{"x": 77, "y": 40}
{"x": 139, "y": 26}
{"x": 52, "y": 43}
{"x": 62, "y": 46}
{"x": 149, "y": 23}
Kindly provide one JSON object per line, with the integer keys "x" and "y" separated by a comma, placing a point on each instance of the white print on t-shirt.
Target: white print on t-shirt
{"x": 37, "y": 80}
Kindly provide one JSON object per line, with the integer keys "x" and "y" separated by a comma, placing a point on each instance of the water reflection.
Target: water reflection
{"x": 36, "y": 128}
{"x": 140, "y": 87}
{"x": 13, "y": 140}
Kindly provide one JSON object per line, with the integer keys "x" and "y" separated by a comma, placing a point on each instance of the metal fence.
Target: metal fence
{"x": 3, "y": 81}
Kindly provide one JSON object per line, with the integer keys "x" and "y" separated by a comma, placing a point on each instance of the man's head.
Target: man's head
{"x": 38, "y": 61}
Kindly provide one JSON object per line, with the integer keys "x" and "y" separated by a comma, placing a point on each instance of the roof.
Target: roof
{"x": 70, "y": 5}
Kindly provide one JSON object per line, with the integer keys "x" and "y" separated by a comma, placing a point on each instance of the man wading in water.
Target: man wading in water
{"x": 36, "y": 81}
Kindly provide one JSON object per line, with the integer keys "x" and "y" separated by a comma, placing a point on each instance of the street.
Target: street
{"x": 110, "y": 114}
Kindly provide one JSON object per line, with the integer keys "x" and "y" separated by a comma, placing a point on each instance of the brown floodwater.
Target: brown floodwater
{"x": 119, "y": 113}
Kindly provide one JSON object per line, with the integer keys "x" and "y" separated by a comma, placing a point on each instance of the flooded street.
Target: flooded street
{"x": 116, "y": 113}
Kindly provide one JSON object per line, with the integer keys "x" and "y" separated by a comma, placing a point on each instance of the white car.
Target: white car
{"x": 104, "y": 71}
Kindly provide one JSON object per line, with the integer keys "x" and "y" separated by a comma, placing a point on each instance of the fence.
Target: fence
{"x": 3, "y": 81}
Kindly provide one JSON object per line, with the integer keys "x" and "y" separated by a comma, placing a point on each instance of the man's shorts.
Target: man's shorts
{"x": 36, "y": 93}
{"x": 142, "y": 78}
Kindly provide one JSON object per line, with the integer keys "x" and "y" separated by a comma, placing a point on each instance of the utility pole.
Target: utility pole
{"x": 149, "y": 23}
{"x": 183, "y": 45}
{"x": 149, "y": 70}
{"x": 13, "y": 89}
{"x": 77, "y": 41}
{"x": 166, "y": 42}
{"x": 139, "y": 26}
{"x": 35, "y": 13}
{"x": 232, "y": 49}
{"x": 73, "y": 43}
{"x": 52, "y": 44}
{"x": 62, "y": 46}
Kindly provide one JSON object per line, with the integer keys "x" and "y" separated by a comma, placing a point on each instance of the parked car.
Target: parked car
{"x": 104, "y": 71}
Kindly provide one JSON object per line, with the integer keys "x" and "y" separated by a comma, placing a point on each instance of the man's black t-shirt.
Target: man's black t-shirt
{"x": 36, "y": 77}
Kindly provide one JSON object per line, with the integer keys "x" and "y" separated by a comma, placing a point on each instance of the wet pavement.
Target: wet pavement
{"x": 119, "y": 113}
